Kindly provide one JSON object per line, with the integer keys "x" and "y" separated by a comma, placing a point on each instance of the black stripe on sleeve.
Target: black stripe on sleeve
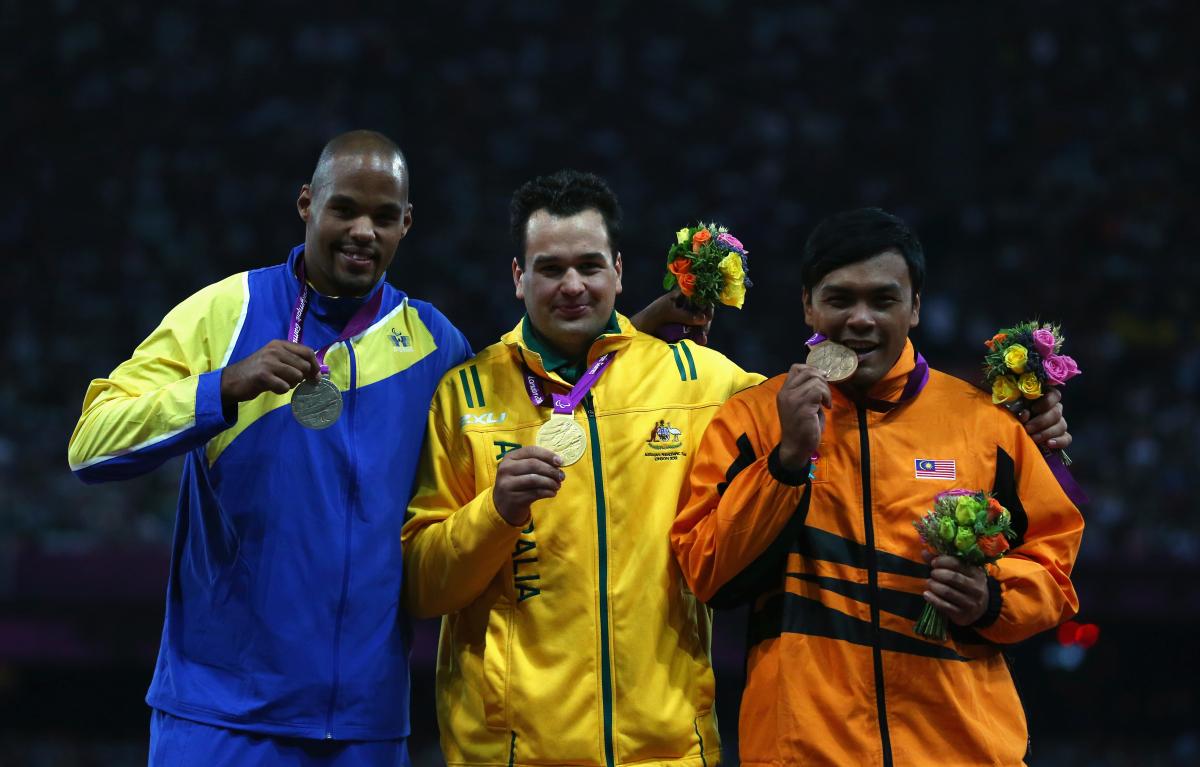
{"x": 1005, "y": 488}
{"x": 745, "y": 457}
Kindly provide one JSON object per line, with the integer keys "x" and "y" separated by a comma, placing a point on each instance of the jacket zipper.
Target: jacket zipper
{"x": 873, "y": 586}
{"x": 351, "y": 501}
{"x": 601, "y": 515}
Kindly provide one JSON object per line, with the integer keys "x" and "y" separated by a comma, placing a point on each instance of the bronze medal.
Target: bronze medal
{"x": 563, "y": 435}
{"x": 316, "y": 404}
{"x": 839, "y": 362}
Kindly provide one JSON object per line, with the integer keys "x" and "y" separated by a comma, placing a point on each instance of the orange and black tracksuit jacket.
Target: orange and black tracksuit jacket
{"x": 832, "y": 568}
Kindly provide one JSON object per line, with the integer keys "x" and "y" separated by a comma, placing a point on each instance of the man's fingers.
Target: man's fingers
{"x": 276, "y": 384}
{"x": 941, "y": 604}
{"x": 306, "y": 364}
{"x": 953, "y": 613}
{"x": 798, "y": 373}
{"x": 533, "y": 451}
{"x": 944, "y": 562}
{"x": 530, "y": 466}
{"x": 951, "y": 595}
{"x": 523, "y": 483}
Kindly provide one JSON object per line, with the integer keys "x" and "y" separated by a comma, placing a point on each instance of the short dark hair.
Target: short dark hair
{"x": 857, "y": 235}
{"x": 562, "y": 194}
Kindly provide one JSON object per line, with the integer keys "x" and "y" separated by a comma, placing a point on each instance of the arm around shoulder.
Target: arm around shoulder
{"x": 1033, "y": 582}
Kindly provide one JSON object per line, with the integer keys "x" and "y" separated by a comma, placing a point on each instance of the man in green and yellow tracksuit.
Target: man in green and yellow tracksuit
{"x": 570, "y": 636}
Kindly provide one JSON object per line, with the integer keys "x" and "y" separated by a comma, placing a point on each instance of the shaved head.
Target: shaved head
{"x": 355, "y": 212}
{"x": 362, "y": 147}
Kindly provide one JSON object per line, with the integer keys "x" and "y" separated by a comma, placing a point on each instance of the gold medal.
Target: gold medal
{"x": 563, "y": 435}
{"x": 316, "y": 404}
{"x": 839, "y": 362}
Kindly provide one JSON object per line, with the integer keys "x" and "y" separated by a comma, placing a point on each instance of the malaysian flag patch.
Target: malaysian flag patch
{"x": 927, "y": 468}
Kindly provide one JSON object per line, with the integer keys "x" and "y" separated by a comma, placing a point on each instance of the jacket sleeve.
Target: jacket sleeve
{"x": 166, "y": 399}
{"x": 1033, "y": 582}
{"x": 727, "y": 535}
{"x": 455, "y": 541}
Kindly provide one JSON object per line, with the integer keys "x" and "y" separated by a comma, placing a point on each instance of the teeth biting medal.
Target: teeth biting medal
{"x": 837, "y": 361}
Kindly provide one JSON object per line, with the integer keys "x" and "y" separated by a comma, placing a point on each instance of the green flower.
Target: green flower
{"x": 947, "y": 529}
{"x": 964, "y": 540}
{"x": 966, "y": 509}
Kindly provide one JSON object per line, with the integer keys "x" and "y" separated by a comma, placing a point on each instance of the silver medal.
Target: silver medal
{"x": 316, "y": 404}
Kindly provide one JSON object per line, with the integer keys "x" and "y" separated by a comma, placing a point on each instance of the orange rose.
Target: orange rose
{"x": 680, "y": 266}
{"x": 687, "y": 283}
{"x": 699, "y": 238}
{"x": 992, "y": 545}
{"x": 999, "y": 338}
{"x": 994, "y": 509}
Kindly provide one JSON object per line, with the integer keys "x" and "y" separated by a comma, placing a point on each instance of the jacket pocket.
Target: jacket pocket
{"x": 496, "y": 657}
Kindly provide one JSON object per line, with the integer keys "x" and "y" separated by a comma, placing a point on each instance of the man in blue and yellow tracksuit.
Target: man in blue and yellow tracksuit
{"x": 284, "y": 641}
{"x": 569, "y": 636}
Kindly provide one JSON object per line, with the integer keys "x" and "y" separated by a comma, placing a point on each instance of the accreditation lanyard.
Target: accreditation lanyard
{"x": 358, "y": 323}
{"x": 565, "y": 404}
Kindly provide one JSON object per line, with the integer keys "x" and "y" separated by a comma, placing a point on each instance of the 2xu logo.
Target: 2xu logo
{"x": 482, "y": 419}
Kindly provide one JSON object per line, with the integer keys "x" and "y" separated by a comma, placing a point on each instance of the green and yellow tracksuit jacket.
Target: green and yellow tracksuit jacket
{"x": 573, "y": 640}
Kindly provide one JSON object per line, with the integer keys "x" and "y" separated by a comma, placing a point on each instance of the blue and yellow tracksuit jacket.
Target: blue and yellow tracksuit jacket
{"x": 573, "y": 640}
{"x": 283, "y": 612}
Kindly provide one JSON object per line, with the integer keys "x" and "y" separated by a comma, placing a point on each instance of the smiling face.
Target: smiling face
{"x": 569, "y": 280}
{"x": 870, "y": 307}
{"x": 354, "y": 217}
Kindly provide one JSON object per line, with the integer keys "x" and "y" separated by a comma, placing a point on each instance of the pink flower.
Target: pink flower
{"x": 1059, "y": 368}
{"x": 730, "y": 242}
{"x": 1043, "y": 342}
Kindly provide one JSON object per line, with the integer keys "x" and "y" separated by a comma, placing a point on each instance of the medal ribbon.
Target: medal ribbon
{"x": 361, "y": 320}
{"x": 565, "y": 404}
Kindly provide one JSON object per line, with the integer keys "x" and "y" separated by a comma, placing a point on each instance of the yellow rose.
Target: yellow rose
{"x": 1004, "y": 390}
{"x": 1030, "y": 386}
{"x": 1015, "y": 357}
{"x": 681, "y": 237}
{"x": 734, "y": 292}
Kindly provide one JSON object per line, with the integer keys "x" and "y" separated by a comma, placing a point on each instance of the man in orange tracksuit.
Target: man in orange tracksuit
{"x": 801, "y": 502}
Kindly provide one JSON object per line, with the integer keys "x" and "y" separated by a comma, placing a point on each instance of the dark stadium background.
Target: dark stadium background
{"x": 1041, "y": 150}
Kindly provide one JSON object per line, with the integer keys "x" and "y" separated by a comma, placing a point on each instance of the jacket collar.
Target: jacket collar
{"x": 332, "y": 310}
{"x": 903, "y": 382}
{"x": 544, "y": 362}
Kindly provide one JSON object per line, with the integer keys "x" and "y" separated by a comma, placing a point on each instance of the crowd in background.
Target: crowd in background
{"x": 1042, "y": 152}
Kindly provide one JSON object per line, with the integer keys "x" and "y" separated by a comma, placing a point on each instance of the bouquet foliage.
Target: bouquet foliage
{"x": 709, "y": 265}
{"x": 969, "y": 525}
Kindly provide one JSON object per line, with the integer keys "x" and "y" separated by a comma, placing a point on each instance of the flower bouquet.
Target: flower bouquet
{"x": 1022, "y": 360}
{"x": 710, "y": 266}
{"x": 969, "y": 525}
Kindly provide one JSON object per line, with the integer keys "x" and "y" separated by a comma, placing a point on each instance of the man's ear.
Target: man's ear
{"x": 518, "y": 284}
{"x": 617, "y": 267}
{"x": 806, "y": 299}
{"x": 916, "y": 311}
{"x": 304, "y": 203}
{"x": 406, "y": 222}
